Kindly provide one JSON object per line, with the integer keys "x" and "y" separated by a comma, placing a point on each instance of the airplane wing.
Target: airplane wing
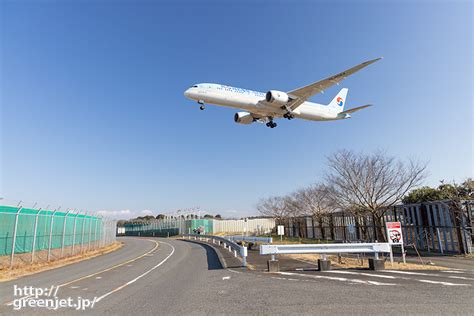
{"x": 350, "y": 111}
{"x": 301, "y": 95}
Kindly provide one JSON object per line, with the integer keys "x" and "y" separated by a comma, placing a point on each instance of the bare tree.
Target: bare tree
{"x": 293, "y": 204}
{"x": 274, "y": 207}
{"x": 296, "y": 210}
{"x": 371, "y": 183}
{"x": 316, "y": 200}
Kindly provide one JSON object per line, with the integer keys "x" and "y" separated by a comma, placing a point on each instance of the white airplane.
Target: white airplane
{"x": 265, "y": 107}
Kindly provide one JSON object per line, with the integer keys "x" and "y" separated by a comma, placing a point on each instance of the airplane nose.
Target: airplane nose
{"x": 186, "y": 93}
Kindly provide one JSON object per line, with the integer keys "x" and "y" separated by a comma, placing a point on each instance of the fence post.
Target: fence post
{"x": 64, "y": 233}
{"x": 51, "y": 233}
{"x": 101, "y": 232}
{"x": 82, "y": 236}
{"x": 74, "y": 234}
{"x": 14, "y": 235}
{"x": 95, "y": 232}
{"x": 90, "y": 233}
{"x": 331, "y": 225}
{"x": 35, "y": 230}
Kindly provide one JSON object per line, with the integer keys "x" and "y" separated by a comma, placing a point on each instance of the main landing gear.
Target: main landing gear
{"x": 271, "y": 124}
{"x": 288, "y": 116}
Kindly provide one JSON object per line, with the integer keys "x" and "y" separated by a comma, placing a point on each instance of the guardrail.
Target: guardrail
{"x": 267, "y": 240}
{"x": 226, "y": 243}
{"x": 324, "y": 249}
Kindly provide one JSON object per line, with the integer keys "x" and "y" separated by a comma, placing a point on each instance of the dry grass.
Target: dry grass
{"x": 251, "y": 266}
{"x": 353, "y": 263}
{"x": 23, "y": 269}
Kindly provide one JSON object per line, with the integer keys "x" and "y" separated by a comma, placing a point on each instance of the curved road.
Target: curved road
{"x": 166, "y": 276}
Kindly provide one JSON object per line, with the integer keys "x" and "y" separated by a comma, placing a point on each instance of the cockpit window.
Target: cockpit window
{"x": 195, "y": 86}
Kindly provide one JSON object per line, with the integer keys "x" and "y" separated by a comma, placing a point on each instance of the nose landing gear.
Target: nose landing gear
{"x": 202, "y": 107}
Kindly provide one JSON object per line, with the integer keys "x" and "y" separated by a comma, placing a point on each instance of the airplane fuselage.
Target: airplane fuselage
{"x": 253, "y": 102}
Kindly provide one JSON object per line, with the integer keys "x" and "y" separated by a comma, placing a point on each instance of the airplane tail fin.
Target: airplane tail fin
{"x": 337, "y": 104}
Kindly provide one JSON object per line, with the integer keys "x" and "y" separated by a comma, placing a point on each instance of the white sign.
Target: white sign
{"x": 394, "y": 233}
{"x": 281, "y": 230}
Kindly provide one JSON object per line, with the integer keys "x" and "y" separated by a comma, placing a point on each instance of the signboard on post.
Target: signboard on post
{"x": 395, "y": 237}
{"x": 281, "y": 231}
{"x": 394, "y": 233}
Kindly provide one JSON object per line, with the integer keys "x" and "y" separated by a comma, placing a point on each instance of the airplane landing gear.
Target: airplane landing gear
{"x": 288, "y": 116}
{"x": 201, "y": 102}
{"x": 271, "y": 124}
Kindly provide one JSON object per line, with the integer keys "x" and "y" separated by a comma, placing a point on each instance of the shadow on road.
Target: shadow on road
{"x": 213, "y": 262}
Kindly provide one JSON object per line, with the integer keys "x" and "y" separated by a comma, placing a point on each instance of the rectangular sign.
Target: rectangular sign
{"x": 281, "y": 230}
{"x": 394, "y": 233}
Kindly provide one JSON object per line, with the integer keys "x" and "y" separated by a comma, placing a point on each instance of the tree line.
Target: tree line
{"x": 356, "y": 182}
{"x": 363, "y": 184}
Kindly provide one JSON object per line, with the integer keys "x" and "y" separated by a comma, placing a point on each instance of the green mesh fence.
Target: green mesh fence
{"x": 203, "y": 225}
{"x": 63, "y": 229}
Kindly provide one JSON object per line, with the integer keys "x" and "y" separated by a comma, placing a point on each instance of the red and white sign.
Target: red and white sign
{"x": 394, "y": 233}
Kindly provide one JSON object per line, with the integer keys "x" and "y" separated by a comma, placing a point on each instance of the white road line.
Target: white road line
{"x": 74, "y": 287}
{"x": 337, "y": 278}
{"x": 408, "y": 272}
{"x": 140, "y": 276}
{"x": 226, "y": 278}
{"x": 460, "y": 277}
{"x": 443, "y": 283}
{"x": 374, "y": 275}
{"x": 457, "y": 271}
{"x": 429, "y": 274}
{"x": 362, "y": 273}
{"x": 102, "y": 271}
{"x": 379, "y": 283}
{"x": 113, "y": 267}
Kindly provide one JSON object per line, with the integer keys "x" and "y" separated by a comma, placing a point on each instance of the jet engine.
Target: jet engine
{"x": 243, "y": 118}
{"x": 277, "y": 97}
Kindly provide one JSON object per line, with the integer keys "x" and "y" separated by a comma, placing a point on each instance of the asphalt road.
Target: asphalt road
{"x": 165, "y": 276}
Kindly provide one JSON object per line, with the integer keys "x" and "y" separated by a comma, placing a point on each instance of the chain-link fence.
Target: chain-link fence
{"x": 175, "y": 226}
{"x": 29, "y": 235}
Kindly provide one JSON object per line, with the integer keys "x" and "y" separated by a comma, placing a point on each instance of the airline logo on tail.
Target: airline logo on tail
{"x": 339, "y": 101}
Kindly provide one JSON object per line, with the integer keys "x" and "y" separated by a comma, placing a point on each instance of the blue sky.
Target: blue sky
{"x": 93, "y": 114}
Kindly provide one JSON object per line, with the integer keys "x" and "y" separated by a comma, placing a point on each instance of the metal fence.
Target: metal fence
{"x": 28, "y": 235}
{"x": 433, "y": 226}
{"x": 156, "y": 227}
{"x": 179, "y": 226}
